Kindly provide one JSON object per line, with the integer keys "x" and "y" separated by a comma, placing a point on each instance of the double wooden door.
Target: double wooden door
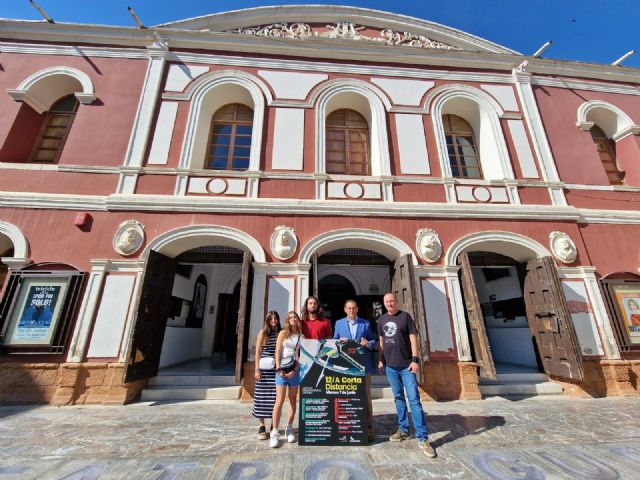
{"x": 548, "y": 317}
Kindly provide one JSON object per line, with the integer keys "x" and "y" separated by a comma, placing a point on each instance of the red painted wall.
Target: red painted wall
{"x": 101, "y": 131}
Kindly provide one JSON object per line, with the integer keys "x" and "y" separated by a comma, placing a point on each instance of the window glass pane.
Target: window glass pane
{"x": 243, "y": 141}
{"x": 44, "y": 155}
{"x": 240, "y": 163}
{"x": 241, "y": 152}
{"x": 454, "y": 170}
{"x": 219, "y": 128}
{"x": 66, "y": 104}
{"x": 244, "y": 129}
{"x": 218, "y": 163}
{"x": 219, "y": 151}
{"x": 221, "y": 140}
{"x": 52, "y": 143}
{"x": 471, "y": 172}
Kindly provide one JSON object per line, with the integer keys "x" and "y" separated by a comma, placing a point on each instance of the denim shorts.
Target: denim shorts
{"x": 290, "y": 382}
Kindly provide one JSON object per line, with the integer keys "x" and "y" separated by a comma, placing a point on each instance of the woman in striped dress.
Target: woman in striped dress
{"x": 264, "y": 395}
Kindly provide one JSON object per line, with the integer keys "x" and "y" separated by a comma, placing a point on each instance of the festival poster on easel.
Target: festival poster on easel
{"x": 333, "y": 402}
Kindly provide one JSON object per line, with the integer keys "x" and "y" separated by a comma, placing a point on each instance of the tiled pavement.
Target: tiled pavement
{"x": 536, "y": 438}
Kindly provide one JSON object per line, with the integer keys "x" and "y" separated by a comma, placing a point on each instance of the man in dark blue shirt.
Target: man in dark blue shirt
{"x": 398, "y": 343}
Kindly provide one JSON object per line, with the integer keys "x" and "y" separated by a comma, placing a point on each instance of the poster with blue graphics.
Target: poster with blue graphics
{"x": 38, "y": 311}
{"x": 333, "y": 401}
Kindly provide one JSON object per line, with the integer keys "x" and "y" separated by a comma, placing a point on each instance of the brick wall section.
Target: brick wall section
{"x": 604, "y": 378}
{"x": 66, "y": 384}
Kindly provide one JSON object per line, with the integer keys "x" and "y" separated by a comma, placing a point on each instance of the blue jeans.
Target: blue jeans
{"x": 402, "y": 380}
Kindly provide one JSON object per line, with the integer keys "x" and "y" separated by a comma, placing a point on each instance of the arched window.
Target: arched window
{"x": 230, "y": 138}
{"x": 461, "y": 147}
{"x": 54, "y": 131}
{"x": 607, "y": 151}
{"x": 347, "y": 143}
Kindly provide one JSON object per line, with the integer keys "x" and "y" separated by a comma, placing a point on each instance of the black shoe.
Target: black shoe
{"x": 262, "y": 433}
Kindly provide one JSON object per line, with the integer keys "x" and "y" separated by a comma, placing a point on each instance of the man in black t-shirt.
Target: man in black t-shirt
{"x": 399, "y": 358}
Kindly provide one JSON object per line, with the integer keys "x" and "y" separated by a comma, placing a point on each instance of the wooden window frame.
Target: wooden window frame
{"x": 346, "y": 131}
{"x": 68, "y": 307}
{"x": 457, "y": 158}
{"x": 607, "y": 145}
{"x": 63, "y": 139}
{"x": 210, "y": 159}
{"x": 618, "y": 322}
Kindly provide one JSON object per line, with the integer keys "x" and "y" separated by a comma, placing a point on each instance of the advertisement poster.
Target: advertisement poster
{"x": 38, "y": 308}
{"x": 628, "y": 298}
{"x": 333, "y": 404}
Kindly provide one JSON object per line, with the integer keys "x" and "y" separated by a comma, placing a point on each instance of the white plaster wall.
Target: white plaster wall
{"x": 163, "y": 133}
{"x": 512, "y": 345}
{"x": 290, "y": 85}
{"x": 180, "y": 76}
{"x": 504, "y": 95}
{"x": 523, "y": 150}
{"x": 404, "y": 92}
{"x": 281, "y": 295}
{"x": 437, "y": 312}
{"x": 111, "y": 316}
{"x": 179, "y": 345}
{"x": 288, "y": 139}
{"x": 584, "y": 323}
{"x": 412, "y": 144}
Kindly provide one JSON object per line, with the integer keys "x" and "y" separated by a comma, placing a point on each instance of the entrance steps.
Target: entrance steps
{"x": 380, "y": 387}
{"x": 519, "y": 385}
{"x": 169, "y": 387}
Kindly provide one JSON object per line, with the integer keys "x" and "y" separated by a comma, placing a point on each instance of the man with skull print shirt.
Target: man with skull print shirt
{"x": 399, "y": 357}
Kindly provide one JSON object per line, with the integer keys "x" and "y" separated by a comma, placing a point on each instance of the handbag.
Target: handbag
{"x": 287, "y": 364}
{"x": 267, "y": 363}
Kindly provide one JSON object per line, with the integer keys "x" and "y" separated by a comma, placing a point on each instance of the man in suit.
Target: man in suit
{"x": 352, "y": 327}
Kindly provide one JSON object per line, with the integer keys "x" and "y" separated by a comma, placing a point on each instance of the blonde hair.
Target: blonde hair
{"x": 287, "y": 324}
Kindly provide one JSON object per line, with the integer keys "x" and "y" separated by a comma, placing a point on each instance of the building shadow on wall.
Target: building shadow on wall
{"x": 455, "y": 425}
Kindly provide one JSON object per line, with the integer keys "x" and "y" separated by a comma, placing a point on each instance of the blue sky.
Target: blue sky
{"x": 588, "y": 30}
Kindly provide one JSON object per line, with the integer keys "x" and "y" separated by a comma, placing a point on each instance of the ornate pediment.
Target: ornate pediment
{"x": 326, "y": 22}
{"x": 343, "y": 30}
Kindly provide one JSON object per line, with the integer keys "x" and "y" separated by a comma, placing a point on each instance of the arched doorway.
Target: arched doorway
{"x": 194, "y": 303}
{"x": 500, "y": 271}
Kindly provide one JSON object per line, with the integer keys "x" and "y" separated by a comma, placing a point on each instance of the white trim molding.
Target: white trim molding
{"x": 230, "y": 86}
{"x": 178, "y": 240}
{"x": 368, "y": 100}
{"x": 45, "y": 87}
{"x": 611, "y": 119}
{"x": 20, "y": 243}
{"x": 381, "y": 242}
{"x": 514, "y": 245}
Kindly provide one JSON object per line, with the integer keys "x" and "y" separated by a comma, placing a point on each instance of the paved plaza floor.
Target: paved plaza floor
{"x": 535, "y": 438}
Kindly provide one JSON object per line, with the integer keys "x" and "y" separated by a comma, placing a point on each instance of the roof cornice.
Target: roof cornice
{"x": 315, "y": 49}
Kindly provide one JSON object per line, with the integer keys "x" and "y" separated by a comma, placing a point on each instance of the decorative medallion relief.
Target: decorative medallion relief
{"x": 128, "y": 238}
{"x": 343, "y": 30}
{"x": 481, "y": 194}
{"x": 428, "y": 245}
{"x": 283, "y": 242}
{"x": 354, "y": 191}
{"x": 218, "y": 186}
{"x": 563, "y": 247}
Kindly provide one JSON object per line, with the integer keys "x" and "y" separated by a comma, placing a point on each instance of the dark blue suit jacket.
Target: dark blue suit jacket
{"x": 363, "y": 330}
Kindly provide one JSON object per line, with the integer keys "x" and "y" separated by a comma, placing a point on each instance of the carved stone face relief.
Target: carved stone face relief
{"x": 283, "y": 242}
{"x": 128, "y": 238}
{"x": 563, "y": 247}
{"x": 428, "y": 245}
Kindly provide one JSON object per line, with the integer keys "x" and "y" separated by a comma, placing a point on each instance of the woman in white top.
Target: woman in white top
{"x": 287, "y": 346}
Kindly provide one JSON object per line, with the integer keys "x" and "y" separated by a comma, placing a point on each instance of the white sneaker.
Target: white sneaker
{"x": 275, "y": 438}
{"x": 289, "y": 434}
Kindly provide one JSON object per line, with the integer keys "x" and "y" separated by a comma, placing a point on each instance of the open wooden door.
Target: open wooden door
{"x": 243, "y": 313}
{"x": 481, "y": 347}
{"x": 404, "y": 288}
{"x": 550, "y": 320}
{"x": 151, "y": 318}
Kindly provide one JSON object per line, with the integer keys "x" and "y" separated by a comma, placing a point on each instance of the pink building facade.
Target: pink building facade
{"x": 162, "y": 189}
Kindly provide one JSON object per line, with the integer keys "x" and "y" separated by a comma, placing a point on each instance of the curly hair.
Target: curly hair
{"x": 304, "y": 313}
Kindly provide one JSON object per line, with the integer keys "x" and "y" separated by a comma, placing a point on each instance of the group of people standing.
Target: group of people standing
{"x": 397, "y": 344}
